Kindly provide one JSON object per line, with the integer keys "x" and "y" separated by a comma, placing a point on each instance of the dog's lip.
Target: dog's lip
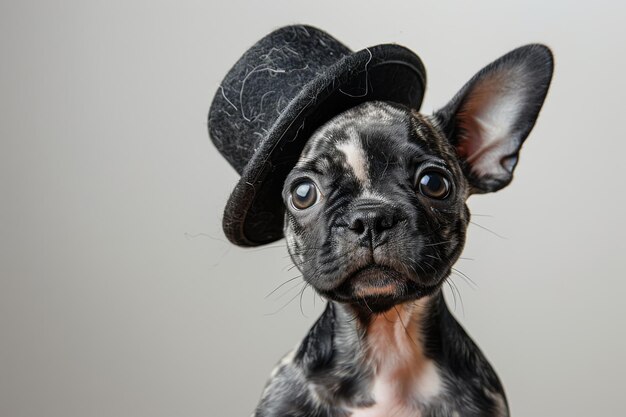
{"x": 375, "y": 280}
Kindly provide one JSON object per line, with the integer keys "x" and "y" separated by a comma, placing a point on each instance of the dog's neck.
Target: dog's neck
{"x": 394, "y": 348}
{"x": 391, "y": 337}
{"x": 350, "y": 350}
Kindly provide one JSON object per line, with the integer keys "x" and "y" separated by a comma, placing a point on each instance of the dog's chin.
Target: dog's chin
{"x": 377, "y": 289}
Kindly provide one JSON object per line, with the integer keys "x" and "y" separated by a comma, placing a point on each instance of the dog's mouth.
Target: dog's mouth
{"x": 374, "y": 280}
{"x": 377, "y": 288}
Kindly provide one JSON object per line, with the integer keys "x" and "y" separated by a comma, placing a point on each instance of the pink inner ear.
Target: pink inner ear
{"x": 487, "y": 119}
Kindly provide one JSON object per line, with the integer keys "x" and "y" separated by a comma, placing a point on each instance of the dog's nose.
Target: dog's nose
{"x": 370, "y": 222}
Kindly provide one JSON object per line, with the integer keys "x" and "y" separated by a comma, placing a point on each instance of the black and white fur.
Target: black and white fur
{"x": 379, "y": 250}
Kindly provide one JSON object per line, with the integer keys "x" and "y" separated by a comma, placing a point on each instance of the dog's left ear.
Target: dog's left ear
{"x": 488, "y": 120}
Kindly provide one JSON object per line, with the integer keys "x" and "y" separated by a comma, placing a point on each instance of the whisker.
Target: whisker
{"x": 465, "y": 276}
{"x": 406, "y": 331}
{"x": 416, "y": 264}
{"x": 439, "y": 243}
{"x": 283, "y": 306}
{"x": 281, "y": 285}
{"x": 301, "y": 294}
{"x": 420, "y": 267}
{"x": 431, "y": 267}
{"x": 196, "y": 235}
{"x": 386, "y": 318}
{"x": 454, "y": 288}
{"x": 302, "y": 251}
{"x": 288, "y": 290}
{"x": 453, "y": 294}
{"x": 367, "y": 305}
{"x": 489, "y": 230}
{"x": 298, "y": 264}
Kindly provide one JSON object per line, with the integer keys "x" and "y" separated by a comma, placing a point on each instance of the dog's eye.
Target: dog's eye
{"x": 304, "y": 195}
{"x": 433, "y": 184}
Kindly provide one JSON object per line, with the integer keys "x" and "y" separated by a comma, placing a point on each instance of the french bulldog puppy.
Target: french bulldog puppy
{"x": 376, "y": 217}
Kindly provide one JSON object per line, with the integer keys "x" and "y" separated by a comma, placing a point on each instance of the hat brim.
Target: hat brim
{"x": 254, "y": 213}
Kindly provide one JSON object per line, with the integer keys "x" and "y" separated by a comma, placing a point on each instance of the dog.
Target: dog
{"x": 376, "y": 217}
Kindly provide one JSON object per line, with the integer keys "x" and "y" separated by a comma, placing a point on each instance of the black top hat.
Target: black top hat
{"x": 284, "y": 87}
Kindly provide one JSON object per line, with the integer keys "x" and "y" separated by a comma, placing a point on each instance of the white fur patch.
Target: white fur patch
{"x": 500, "y": 403}
{"x": 404, "y": 377}
{"x": 286, "y": 360}
{"x": 429, "y": 382}
{"x": 356, "y": 159}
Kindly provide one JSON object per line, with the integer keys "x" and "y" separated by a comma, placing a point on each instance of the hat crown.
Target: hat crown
{"x": 261, "y": 84}
{"x": 279, "y": 92}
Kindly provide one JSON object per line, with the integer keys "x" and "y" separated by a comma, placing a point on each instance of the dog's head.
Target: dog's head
{"x": 376, "y": 211}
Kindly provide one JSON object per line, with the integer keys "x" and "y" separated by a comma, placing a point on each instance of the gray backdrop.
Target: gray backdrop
{"x": 118, "y": 293}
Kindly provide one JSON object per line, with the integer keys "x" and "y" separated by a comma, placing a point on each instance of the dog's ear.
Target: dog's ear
{"x": 489, "y": 118}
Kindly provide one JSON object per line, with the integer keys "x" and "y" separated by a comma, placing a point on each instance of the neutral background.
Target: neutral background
{"x": 118, "y": 293}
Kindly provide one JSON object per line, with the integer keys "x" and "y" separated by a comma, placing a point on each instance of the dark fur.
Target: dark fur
{"x": 404, "y": 244}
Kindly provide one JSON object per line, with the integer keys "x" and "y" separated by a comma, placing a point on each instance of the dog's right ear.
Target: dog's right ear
{"x": 491, "y": 116}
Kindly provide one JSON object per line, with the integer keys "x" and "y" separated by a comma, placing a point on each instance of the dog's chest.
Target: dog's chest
{"x": 401, "y": 396}
{"x": 405, "y": 382}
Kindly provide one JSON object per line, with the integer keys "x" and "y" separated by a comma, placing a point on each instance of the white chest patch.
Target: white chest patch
{"x": 405, "y": 380}
{"x": 356, "y": 160}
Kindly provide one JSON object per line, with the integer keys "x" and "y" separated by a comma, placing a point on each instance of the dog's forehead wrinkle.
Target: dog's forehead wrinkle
{"x": 382, "y": 112}
{"x": 312, "y": 149}
{"x": 357, "y": 132}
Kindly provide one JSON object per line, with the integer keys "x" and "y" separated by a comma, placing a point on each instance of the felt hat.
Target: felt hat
{"x": 279, "y": 92}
